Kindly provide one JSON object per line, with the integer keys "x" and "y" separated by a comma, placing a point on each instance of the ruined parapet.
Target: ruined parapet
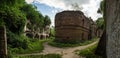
{"x": 71, "y": 27}
{"x": 3, "y": 42}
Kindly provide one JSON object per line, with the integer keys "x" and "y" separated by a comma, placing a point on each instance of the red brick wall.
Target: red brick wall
{"x": 71, "y": 25}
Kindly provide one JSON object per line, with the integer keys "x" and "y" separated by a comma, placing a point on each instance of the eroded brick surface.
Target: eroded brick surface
{"x": 73, "y": 26}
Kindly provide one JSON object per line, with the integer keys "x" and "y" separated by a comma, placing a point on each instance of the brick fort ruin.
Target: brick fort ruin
{"x": 73, "y": 27}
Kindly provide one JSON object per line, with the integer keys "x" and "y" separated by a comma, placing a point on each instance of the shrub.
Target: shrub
{"x": 43, "y": 56}
{"x": 89, "y": 52}
{"x": 61, "y": 45}
{"x": 16, "y": 41}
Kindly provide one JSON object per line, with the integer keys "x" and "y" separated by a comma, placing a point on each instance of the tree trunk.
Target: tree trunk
{"x": 101, "y": 48}
{"x": 112, "y": 19}
{"x": 3, "y": 42}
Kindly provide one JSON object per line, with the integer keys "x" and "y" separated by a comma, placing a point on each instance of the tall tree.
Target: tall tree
{"x": 101, "y": 9}
{"x": 100, "y": 23}
{"x": 11, "y": 16}
{"x": 47, "y": 21}
{"x": 101, "y": 48}
{"x": 112, "y": 20}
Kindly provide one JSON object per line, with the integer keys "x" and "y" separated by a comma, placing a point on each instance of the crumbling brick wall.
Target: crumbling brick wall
{"x": 71, "y": 27}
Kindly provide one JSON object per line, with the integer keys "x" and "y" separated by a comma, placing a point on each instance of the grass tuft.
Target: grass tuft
{"x": 63, "y": 45}
{"x": 41, "y": 56}
{"x": 88, "y": 52}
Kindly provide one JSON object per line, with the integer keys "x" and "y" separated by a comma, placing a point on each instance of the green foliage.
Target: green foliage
{"x": 52, "y": 32}
{"x": 11, "y": 3}
{"x": 63, "y": 45}
{"x": 23, "y": 44}
{"x": 1, "y": 22}
{"x": 89, "y": 52}
{"x": 101, "y": 9}
{"x": 47, "y": 21}
{"x": 31, "y": 13}
{"x": 102, "y": 6}
{"x": 42, "y": 56}
{"x": 34, "y": 46}
{"x": 37, "y": 20}
{"x": 16, "y": 41}
{"x": 11, "y": 16}
{"x": 100, "y": 23}
{"x": 15, "y": 20}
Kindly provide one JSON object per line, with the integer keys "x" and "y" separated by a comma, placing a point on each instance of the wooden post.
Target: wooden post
{"x": 3, "y": 43}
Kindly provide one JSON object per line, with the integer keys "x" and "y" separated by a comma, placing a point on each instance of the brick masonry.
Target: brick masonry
{"x": 73, "y": 25}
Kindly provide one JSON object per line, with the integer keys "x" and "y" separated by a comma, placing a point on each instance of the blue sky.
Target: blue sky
{"x": 51, "y": 7}
{"x": 46, "y": 10}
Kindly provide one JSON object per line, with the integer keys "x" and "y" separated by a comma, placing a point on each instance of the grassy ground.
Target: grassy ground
{"x": 33, "y": 47}
{"x": 41, "y": 56}
{"x": 62, "y": 45}
{"x": 88, "y": 52}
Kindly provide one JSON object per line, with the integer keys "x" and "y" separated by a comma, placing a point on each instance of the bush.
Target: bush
{"x": 17, "y": 41}
{"x": 34, "y": 46}
{"x": 89, "y": 52}
{"x": 22, "y": 44}
{"x": 12, "y": 18}
{"x": 61, "y": 45}
{"x": 42, "y": 56}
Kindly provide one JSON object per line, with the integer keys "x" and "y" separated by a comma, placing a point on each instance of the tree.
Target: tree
{"x": 101, "y": 9}
{"x": 11, "y": 16}
{"x": 47, "y": 21}
{"x": 112, "y": 21}
{"x": 100, "y": 23}
{"x": 101, "y": 48}
{"x": 37, "y": 21}
{"x": 31, "y": 13}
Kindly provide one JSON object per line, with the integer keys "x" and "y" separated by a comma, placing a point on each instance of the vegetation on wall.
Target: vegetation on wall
{"x": 13, "y": 15}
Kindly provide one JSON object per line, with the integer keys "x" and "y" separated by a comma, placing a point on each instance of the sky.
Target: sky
{"x": 51, "y": 7}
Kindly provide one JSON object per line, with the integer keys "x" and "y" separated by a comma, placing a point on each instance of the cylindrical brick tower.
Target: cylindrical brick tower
{"x": 71, "y": 27}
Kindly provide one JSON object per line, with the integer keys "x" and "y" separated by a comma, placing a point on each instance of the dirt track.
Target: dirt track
{"x": 65, "y": 52}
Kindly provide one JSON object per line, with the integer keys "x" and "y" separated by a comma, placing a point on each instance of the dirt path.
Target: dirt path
{"x": 65, "y": 52}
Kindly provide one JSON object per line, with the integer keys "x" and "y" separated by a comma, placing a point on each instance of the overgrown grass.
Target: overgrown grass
{"x": 88, "y": 52}
{"x": 20, "y": 44}
{"x": 63, "y": 45}
{"x": 34, "y": 46}
{"x": 41, "y": 56}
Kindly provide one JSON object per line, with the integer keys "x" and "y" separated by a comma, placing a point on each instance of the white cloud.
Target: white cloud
{"x": 90, "y": 7}
{"x": 63, "y": 4}
{"x": 29, "y": 1}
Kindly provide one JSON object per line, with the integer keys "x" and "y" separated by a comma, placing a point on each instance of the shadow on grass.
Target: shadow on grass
{"x": 64, "y": 45}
